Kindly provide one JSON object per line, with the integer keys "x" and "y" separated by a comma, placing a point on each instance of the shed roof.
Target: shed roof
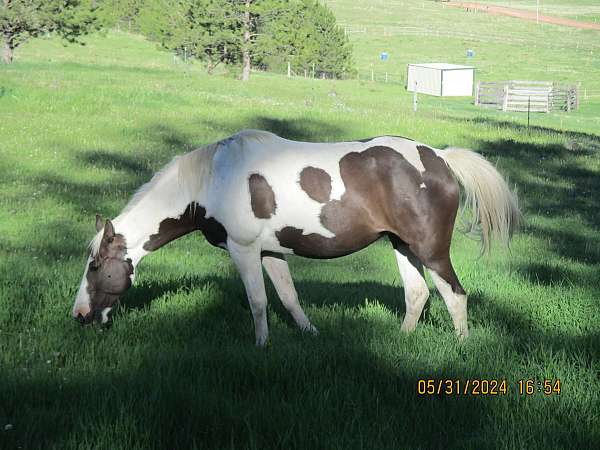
{"x": 442, "y": 66}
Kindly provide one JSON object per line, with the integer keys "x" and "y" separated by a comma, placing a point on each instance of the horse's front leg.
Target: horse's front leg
{"x": 247, "y": 261}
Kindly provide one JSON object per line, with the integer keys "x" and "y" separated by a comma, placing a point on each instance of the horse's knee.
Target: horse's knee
{"x": 417, "y": 293}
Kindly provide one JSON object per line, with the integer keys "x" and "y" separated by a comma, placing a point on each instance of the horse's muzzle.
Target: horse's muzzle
{"x": 85, "y": 320}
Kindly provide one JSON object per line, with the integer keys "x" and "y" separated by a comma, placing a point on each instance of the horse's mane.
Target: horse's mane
{"x": 192, "y": 169}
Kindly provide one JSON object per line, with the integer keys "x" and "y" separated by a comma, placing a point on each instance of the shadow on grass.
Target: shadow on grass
{"x": 581, "y": 142}
{"x": 553, "y": 183}
{"x": 304, "y": 129}
{"x": 202, "y": 384}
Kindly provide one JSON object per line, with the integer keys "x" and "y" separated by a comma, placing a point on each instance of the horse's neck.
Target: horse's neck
{"x": 162, "y": 199}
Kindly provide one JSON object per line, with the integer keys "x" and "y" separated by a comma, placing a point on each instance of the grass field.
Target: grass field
{"x": 505, "y": 48}
{"x": 82, "y": 127}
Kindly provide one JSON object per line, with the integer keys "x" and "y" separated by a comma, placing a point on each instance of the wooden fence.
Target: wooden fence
{"x": 534, "y": 96}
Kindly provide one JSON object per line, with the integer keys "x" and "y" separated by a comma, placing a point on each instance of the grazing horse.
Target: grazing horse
{"x": 261, "y": 197}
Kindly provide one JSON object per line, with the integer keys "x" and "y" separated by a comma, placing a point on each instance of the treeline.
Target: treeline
{"x": 260, "y": 33}
{"x": 265, "y": 34}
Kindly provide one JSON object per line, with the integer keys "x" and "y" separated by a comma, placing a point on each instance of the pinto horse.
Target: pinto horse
{"x": 261, "y": 197}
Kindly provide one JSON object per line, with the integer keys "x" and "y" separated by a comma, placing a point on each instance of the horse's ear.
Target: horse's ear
{"x": 109, "y": 229}
{"x": 99, "y": 224}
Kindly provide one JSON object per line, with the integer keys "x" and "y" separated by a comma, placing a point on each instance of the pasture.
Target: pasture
{"x": 82, "y": 127}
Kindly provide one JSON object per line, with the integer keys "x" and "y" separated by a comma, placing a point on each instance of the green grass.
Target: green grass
{"x": 82, "y": 127}
{"x": 505, "y": 48}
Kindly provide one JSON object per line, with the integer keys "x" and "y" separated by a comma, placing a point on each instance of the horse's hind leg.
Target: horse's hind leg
{"x": 415, "y": 286}
{"x": 452, "y": 292}
{"x": 278, "y": 270}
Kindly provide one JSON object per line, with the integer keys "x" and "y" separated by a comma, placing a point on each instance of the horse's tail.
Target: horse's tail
{"x": 492, "y": 202}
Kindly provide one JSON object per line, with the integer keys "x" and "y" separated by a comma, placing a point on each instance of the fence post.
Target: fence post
{"x": 505, "y": 98}
{"x": 372, "y": 75}
{"x": 289, "y": 70}
{"x": 528, "y": 109}
{"x": 477, "y": 93}
{"x": 386, "y": 77}
{"x": 415, "y": 98}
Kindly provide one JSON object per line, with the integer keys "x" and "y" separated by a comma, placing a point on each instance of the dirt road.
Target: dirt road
{"x": 523, "y": 14}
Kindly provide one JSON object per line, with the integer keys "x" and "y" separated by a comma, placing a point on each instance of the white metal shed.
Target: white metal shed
{"x": 441, "y": 79}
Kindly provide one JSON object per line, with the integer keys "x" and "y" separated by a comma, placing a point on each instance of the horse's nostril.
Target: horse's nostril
{"x": 81, "y": 319}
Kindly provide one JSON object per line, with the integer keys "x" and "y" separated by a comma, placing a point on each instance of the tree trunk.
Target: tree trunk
{"x": 7, "y": 53}
{"x": 246, "y": 45}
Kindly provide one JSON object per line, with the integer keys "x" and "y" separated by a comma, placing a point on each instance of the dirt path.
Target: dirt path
{"x": 523, "y": 14}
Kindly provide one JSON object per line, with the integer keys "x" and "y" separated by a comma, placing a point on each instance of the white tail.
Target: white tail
{"x": 493, "y": 204}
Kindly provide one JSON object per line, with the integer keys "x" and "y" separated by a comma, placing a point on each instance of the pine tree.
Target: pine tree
{"x": 24, "y": 19}
{"x": 113, "y": 13}
{"x": 307, "y": 36}
{"x": 253, "y": 33}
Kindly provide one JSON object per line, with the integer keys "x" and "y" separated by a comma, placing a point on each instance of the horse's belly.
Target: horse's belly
{"x": 314, "y": 245}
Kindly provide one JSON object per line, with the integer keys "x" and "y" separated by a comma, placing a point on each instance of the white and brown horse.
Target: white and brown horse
{"x": 260, "y": 197}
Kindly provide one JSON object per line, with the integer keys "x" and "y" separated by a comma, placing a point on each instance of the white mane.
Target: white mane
{"x": 193, "y": 169}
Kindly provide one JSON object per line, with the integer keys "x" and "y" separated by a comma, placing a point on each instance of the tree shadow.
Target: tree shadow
{"x": 304, "y": 129}
{"x": 528, "y": 336}
{"x": 581, "y": 142}
{"x": 205, "y": 386}
{"x": 350, "y": 295}
{"x": 111, "y": 160}
{"x": 552, "y": 183}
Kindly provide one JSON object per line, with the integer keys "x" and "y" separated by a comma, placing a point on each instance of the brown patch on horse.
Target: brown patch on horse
{"x": 383, "y": 194}
{"x": 438, "y": 177}
{"x": 262, "y": 197}
{"x": 377, "y": 183}
{"x": 110, "y": 278}
{"x": 192, "y": 219}
{"x": 316, "y": 183}
{"x": 112, "y": 245}
{"x": 109, "y": 273}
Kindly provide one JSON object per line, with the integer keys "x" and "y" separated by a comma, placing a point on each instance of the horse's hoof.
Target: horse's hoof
{"x": 262, "y": 341}
{"x": 462, "y": 334}
{"x": 310, "y": 328}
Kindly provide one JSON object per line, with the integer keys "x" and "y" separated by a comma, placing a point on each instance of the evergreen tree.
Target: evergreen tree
{"x": 116, "y": 13}
{"x": 306, "y": 35}
{"x": 23, "y": 19}
{"x": 208, "y": 30}
{"x": 259, "y": 33}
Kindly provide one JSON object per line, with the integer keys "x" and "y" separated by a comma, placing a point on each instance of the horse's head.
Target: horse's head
{"x": 107, "y": 276}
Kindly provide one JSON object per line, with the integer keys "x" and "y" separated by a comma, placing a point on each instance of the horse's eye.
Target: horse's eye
{"x": 110, "y": 240}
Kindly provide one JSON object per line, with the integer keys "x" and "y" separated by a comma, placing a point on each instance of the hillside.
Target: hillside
{"x": 505, "y": 48}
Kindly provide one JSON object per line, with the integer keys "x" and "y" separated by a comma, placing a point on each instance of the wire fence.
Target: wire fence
{"x": 512, "y": 39}
{"x": 375, "y": 76}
